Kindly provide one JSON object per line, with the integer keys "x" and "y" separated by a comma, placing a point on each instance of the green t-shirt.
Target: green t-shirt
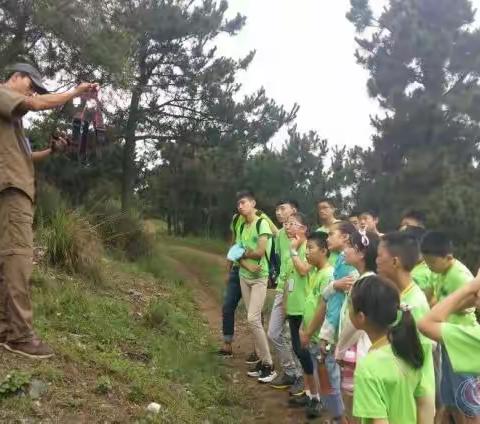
{"x": 249, "y": 239}
{"x": 296, "y": 287}
{"x": 386, "y": 388}
{"x": 414, "y": 297}
{"x": 282, "y": 248}
{"x": 333, "y": 255}
{"x": 317, "y": 280}
{"x": 455, "y": 278}
{"x": 463, "y": 347}
{"x": 422, "y": 276}
{"x": 238, "y": 220}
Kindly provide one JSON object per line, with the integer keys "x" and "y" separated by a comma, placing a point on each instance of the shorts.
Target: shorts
{"x": 459, "y": 391}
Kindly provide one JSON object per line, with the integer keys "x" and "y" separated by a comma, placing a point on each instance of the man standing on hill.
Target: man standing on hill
{"x": 233, "y": 293}
{"x": 22, "y": 92}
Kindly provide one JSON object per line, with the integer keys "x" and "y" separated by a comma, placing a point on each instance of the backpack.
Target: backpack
{"x": 236, "y": 218}
{"x": 272, "y": 258}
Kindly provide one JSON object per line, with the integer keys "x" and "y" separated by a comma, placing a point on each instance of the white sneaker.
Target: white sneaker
{"x": 256, "y": 371}
{"x": 267, "y": 374}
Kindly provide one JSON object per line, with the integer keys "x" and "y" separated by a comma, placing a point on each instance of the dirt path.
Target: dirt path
{"x": 271, "y": 405}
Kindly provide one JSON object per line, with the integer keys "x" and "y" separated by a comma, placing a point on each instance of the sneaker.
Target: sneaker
{"x": 267, "y": 374}
{"x": 224, "y": 353}
{"x": 34, "y": 348}
{"x": 282, "y": 381}
{"x": 252, "y": 359}
{"x": 297, "y": 388}
{"x": 314, "y": 408}
{"x": 256, "y": 370}
{"x": 298, "y": 401}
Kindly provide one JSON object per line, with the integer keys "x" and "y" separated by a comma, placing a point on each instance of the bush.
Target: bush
{"x": 72, "y": 243}
{"x": 124, "y": 231}
{"x": 48, "y": 202}
{"x": 13, "y": 383}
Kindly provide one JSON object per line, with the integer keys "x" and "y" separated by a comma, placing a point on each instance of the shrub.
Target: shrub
{"x": 72, "y": 243}
{"x": 13, "y": 383}
{"x": 48, "y": 202}
{"x": 124, "y": 231}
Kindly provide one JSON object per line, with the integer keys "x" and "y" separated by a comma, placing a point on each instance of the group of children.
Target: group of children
{"x": 351, "y": 325}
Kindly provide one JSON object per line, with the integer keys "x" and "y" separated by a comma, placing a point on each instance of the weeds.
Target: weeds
{"x": 72, "y": 243}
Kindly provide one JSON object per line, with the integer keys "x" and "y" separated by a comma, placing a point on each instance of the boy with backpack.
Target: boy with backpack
{"x": 233, "y": 293}
{"x": 256, "y": 239}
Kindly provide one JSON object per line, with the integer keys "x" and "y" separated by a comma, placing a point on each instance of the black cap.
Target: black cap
{"x": 32, "y": 73}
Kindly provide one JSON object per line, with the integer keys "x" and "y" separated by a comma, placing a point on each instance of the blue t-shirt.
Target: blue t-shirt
{"x": 335, "y": 301}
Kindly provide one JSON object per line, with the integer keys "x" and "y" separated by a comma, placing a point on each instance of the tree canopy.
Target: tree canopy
{"x": 184, "y": 136}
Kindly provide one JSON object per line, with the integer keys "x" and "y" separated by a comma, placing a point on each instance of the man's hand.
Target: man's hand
{"x": 344, "y": 284}
{"x": 87, "y": 90}
{"x": 58, "y": 144}
{"x": 304, "y": 339}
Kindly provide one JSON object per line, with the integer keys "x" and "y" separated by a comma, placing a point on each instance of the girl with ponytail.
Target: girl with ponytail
{"x": 388, "y": 380}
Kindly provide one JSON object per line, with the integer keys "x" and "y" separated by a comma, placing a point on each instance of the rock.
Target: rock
{"x": 135, "y": 293}
{"x": 154, "y": 408}
{"x": 37, "y": 389}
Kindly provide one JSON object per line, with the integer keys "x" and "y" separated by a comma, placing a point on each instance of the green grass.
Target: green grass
{"x": 208, "y": 271}
{"x": 111, "y": 346}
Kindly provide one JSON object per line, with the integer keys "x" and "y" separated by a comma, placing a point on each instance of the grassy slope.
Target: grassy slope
{"x": 118, "y": 350}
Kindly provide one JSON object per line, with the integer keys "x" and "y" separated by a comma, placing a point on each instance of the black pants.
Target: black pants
{"x": 303, "y": 355}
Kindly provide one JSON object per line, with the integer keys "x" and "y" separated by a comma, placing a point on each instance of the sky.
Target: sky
{"x": 305, "y": 54}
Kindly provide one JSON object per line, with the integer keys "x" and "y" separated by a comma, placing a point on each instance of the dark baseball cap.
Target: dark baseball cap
{"x": 32, "y": 73}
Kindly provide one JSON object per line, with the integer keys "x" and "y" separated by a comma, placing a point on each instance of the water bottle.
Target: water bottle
{"x": 323, "y": 377}
{"x": 348, "y": 369}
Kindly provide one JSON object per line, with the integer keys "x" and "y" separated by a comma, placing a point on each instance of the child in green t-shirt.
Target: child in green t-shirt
{"x": 461, "y": 342}
{"x": 278, "y": 331}
{"x": 398, "y": 253}
{"x": 353, "y": 344}
{"x": 318, "y": 278}
{"x": 388, "y": 380}
{"x": 295, "y": 292}
{"x": 437, "y": 250}
{"x": 255, "y": 237}
{"x": 421, "y": 274}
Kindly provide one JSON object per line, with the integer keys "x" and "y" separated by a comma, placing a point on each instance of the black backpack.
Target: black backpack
{"x": 273, "y": 259}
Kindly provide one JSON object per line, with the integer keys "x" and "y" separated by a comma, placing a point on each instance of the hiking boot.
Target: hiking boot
{"x": 34, "y": 348}
{"x": 224, "y": 353}
{"x": 282, "y": 381}
{"x": 267, "y": 374}
{"x": 256, "y": 370}
{"x": 298, "y": 401}
{"x": 297, "y": 388}
{"x": 314, "y": 408}
{"x": 252, "y": 359}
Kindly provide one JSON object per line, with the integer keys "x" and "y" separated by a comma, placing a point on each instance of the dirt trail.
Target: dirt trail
{"x": 271, "y": 405}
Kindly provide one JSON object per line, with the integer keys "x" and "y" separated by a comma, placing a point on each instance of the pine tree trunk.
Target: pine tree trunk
{"x": 129, "y": 152}
{"x": 128, "y": 178}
